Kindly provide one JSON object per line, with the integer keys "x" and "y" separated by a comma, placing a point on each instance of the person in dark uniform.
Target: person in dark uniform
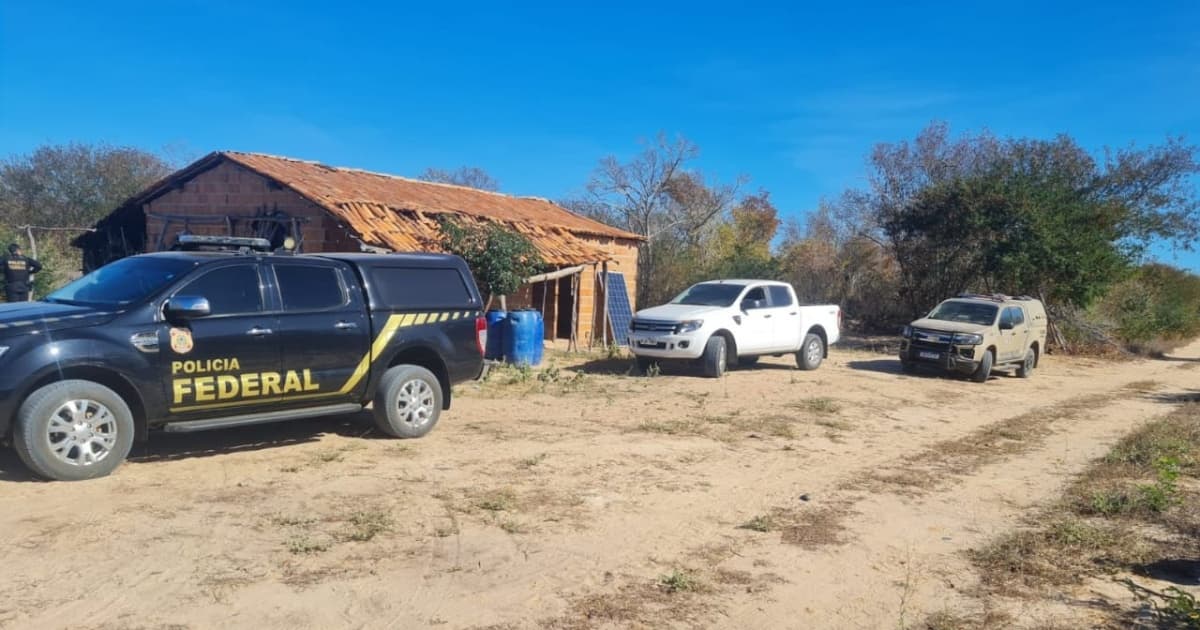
{"x": 17, "y": 269}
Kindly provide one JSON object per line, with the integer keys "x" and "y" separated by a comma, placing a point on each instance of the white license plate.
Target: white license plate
{"x": 648, "y": 342}
{"x": 929, "y": 355}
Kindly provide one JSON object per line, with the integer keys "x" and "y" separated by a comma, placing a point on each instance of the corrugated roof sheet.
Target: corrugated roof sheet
{"x": 400, "y": 213}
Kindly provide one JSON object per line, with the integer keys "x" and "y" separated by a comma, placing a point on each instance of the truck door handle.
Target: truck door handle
{"x": 792, "y": 313}
{"x": 767, "y": 316}
{"x": 259, "y": 332}
{"x": 345, "y": 325}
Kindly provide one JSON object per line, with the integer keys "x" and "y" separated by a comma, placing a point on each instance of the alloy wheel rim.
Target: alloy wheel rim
{"x": 416, "y": 403}
{"x": 814, "y": 352}
{"x": 81, "y": 432}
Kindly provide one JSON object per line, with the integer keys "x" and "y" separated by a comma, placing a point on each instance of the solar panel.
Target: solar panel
{"x": 620, "y": 313}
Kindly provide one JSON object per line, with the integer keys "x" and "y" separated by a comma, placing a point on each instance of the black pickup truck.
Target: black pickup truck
{"x": 223, "y": 332}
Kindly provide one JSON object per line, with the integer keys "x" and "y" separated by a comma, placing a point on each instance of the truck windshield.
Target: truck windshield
{"x": 971, "y": 313}
{"x": 126, "y": 281}
{"x": 710, "y": 295}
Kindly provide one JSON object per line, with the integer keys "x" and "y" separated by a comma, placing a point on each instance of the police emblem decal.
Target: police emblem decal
{"x": 181, "y": 340}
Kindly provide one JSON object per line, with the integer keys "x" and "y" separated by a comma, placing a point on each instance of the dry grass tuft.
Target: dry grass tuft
{"x": 813, "y": 526}
{"x": 941, "y": 463}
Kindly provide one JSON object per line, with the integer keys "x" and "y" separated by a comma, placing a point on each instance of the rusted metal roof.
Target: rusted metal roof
{"x": 407, "y": 230}
{"x": 401, "y": 214}
{"x": 398, "y": 213}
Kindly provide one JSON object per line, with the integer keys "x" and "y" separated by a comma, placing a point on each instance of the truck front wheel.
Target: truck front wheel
{"x": 408, "y": 402}
{"x": 73, "y": 430}
{"x": 985, "y": 368}
{"x": 716, "y": 357}
{"x": 811, "y": 353}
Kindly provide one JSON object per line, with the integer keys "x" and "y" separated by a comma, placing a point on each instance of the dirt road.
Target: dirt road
{"x": 772, "y": 498}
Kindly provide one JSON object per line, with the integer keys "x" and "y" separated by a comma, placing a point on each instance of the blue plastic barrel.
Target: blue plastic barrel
{"x": 495, "y": 330}
{"x": 523, "y": 332}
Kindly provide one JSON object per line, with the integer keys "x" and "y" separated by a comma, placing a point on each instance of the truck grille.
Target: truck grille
{"x": 931, "y": 340}
{"x": 647, "y": 325}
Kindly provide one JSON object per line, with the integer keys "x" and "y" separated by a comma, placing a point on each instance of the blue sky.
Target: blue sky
{"x": 792, "y": 96}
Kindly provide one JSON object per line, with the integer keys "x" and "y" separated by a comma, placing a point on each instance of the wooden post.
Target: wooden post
{"x": 573, "y": 344}
{"x": 604, "y": 308}
{"x": 592, "y": 324}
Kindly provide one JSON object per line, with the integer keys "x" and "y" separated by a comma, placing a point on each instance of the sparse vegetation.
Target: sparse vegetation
{"x": 305, "y": 545}
{"x": 368, "y": 524}
{"x": 530, "y": 462}
{"x": 760, "y": 523}
{"x": 1172, "y": 607}
{"x": 497, "y": 501}
{"x": 679, "y": 581}
{"x": 946, "y": 460}
{"x": 1129, "y": 509}
{"x": 819, "y": 405}
{"x": 513, "y": 526}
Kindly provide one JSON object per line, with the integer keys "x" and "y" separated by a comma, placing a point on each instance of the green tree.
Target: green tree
{"x": 1023, "y": 215}
{"x": 73, "y": 185}
{"x": 500, "y": 258}
{"x": 741, "y": 246}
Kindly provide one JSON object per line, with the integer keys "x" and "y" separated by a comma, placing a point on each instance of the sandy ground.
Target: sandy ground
{"x": 772, "y": 498}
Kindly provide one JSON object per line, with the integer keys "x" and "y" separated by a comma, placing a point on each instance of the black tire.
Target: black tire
{"x": 747, "y": 361}
{"x": 408, "y": 402}
{"x": 811, "y": 353}
{"x": 1025, "y": 370}
{"x": 985, "y": 368}
{"x": 74, "y": 404}
{"x": 909, "y": 367}
{"x": 716, "y": 357}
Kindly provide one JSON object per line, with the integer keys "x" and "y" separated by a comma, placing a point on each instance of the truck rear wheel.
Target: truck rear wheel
{"x": 1025, "y": 370}
{"x": 73, "y": 430}
{"x": 716, "y": 357}
{"x": 408, "y": 402}
{"x": 811, "y": 353}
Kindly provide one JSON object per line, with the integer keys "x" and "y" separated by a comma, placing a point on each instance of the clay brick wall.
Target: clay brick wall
{"x": 230, "y": 189}
{"x": 591, "y": 299}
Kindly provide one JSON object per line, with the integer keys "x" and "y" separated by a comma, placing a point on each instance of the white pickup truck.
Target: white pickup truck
{"x": 742, "y": 320}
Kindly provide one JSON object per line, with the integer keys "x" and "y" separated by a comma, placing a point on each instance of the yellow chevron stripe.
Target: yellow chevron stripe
{"x": 381, "y": 341}
{"x": 421, "y": 317}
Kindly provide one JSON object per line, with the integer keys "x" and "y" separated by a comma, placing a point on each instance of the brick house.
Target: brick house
{"x": 328, "y": 209}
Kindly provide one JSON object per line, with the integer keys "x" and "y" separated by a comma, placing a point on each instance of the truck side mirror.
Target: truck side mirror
{"x": 749, "y": 305}
{"x": 1006, "y": 325}
{"x": 184, "y": 307}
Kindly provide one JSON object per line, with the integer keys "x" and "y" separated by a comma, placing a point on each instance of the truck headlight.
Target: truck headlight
{"x": 3, "y": 349}
{"x": 689, "y": 326}
{"x": 964, "y": 339}
{"x": 907, "y": 332}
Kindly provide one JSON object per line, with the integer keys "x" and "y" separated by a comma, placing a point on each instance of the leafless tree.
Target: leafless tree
{"x": 469, "y": 176}
{"x": 658, "y": 196}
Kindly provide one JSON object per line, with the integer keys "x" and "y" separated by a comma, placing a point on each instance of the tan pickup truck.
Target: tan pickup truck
{"x": 974, "y": 334}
